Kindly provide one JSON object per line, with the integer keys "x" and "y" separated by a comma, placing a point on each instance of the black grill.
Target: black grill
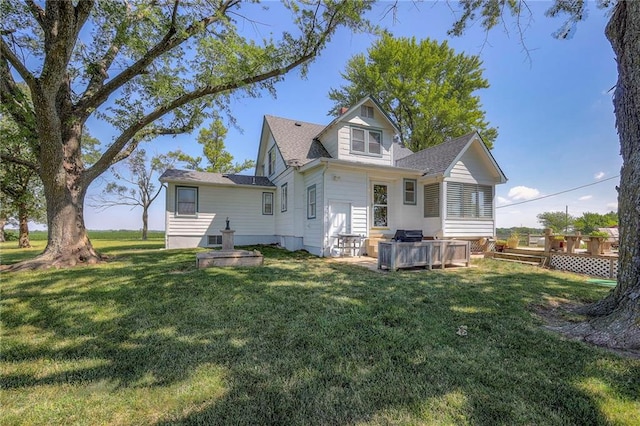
{"x": 408, "y": 235}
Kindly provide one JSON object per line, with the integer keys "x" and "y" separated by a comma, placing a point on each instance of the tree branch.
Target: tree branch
{"x": 130, "y": 133}
{"x": 15, "y": 160}
{"x": 37, "y": 11}
{"x": 100, "y": 92}
{"x": 8, "y": 56}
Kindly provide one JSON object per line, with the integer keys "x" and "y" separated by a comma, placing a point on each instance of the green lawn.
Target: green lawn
{"x": 148, "y": 339}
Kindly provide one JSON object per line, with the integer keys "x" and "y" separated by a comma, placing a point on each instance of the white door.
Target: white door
{"x": 339, "y": 218}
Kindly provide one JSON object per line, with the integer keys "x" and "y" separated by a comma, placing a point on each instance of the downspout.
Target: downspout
{"x": 325, "y": 210}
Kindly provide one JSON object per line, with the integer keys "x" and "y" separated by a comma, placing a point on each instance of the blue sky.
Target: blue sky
{"x": 552, "y": 107}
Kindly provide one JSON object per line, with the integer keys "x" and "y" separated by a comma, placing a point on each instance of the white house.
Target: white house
{"x": 313, "y": 182}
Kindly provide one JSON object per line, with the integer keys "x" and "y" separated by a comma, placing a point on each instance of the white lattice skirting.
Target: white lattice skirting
{"x": 606, "y": 267}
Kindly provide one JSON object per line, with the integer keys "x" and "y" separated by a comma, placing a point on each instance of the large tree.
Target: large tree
{"x": 429, "y": 90}
{"x": 147, "y": 68}
{"x": 590, "y": 222}
{"x": 615, "y": 319}
{"x": 219, "y": 159}
{"x": 134, "y": 184}
{"x": 556, "y": 221}
{"x": 19, "y": 183}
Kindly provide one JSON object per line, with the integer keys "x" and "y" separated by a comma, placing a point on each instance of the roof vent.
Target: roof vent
{"x": 298, "y": 124}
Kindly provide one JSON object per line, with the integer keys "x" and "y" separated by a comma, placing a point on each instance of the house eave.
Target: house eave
{"x": 220, "y": 184}
{"x": 359, "y": 166}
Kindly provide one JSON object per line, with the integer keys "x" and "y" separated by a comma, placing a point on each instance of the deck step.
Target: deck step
{"x": 528, "y": 259}
{"x": 525, "y": 262}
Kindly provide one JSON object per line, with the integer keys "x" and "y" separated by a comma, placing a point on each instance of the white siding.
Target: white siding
{"x": 460, "y": 228}
{"x": 262, "y": 168}
{"x": 344, "y": 147}
{"x": 285, "y": 221}
{"x": 474, "y": 167}
{"x": 242, "y": 205}
{"x": 337, "y": 139}
{"x": 330, "y": 141}
{"x": 343, "y": 185}
{"x": 314, "y": 228}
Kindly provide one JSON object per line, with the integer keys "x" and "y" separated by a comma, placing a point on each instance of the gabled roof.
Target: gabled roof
{"x": 439, "y": 159}
{"x": 191, "y": 176}
{"x": 296, "y": 139}
{"x": 436, "y": 159}
{"x": 355, "y": 107}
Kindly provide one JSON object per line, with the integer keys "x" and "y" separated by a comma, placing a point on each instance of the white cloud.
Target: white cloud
{"x": 599, "y": 175}
{"x": 523, "y": 193}
{"x": 613, "y": 206}
{"x": 585, "y": 197}
{"x": 502, "y": 200}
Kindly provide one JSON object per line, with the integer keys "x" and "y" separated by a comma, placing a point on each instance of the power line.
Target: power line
{"x": 558, "y": 193}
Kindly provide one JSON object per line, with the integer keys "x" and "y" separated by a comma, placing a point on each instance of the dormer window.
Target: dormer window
{"x": 366, "y": 111}
{"x": 365, "y": 141}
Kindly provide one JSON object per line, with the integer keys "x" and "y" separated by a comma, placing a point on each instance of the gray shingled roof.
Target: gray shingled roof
{"x": 295, "y": 139}
{"x": 436, "y": 159}
{"x": 400, "y": 151}
{"x": 191, "y": 176}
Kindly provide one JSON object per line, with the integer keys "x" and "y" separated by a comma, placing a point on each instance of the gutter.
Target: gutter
{"x": 357, "y": 165}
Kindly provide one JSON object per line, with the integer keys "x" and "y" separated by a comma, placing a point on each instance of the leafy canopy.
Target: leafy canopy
{"x": 213, "y": 148}
{"x": 557, "y": 221}
{"x": 589, "y": 222}
{"x": 428, "y": 89}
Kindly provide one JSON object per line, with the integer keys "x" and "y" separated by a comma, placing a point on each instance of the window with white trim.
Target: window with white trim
{"x": 267, "y": 203}
{"x": 186, "y": 200}
{"x": 409, "y": 190}
{"x": 365, "y": 141}
{"x": 380, "y": 206}
{"x": 311, "y": 202}
{"x": 432, "y": 200}
{"x": 214, "y": 240}
{"x": 283, "y": 197}
{"x": 469, "y": 200}
{"x": 366, "y": 111}
{"x": 272, "y": 161}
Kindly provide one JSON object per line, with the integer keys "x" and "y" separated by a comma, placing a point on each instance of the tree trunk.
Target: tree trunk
{"x": 616, "y": 319}
{"x": 65, "y": 184}
{"x": 145, "y": 222}
{"x": 23, "y": 239}
{"x": 3, "y": 222}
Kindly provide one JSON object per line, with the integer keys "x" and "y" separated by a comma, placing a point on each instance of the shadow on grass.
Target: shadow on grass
{"x": 307, "y": 341}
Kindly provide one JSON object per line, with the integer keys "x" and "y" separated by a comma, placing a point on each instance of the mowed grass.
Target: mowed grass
{"x": 148, "y": 339}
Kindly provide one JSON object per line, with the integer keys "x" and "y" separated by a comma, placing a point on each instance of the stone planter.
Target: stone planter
{"x": 598, "y": 245}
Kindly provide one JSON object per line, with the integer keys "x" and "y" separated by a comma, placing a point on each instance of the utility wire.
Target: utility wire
{"x": 558, "y": 193}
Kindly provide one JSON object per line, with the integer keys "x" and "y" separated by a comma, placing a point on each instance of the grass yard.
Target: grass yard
{"x": 148, "y": 339}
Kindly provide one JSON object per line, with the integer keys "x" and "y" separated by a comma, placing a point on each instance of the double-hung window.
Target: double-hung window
{"x": 283, "y": 197}
{"x": 267, "y": 203}
{"x": 365, "y": 141}
{"x": 409, "y": 191}
{"x": 272, "y": 161}
{"x": 311, "y": 202}
{"x": 186, "y": 200}
{"x": 468, "y": 200}
{"x": 380, "y": 206}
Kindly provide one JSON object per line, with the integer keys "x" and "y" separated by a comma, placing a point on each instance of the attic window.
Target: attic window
{"x": 366, "y": 111}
